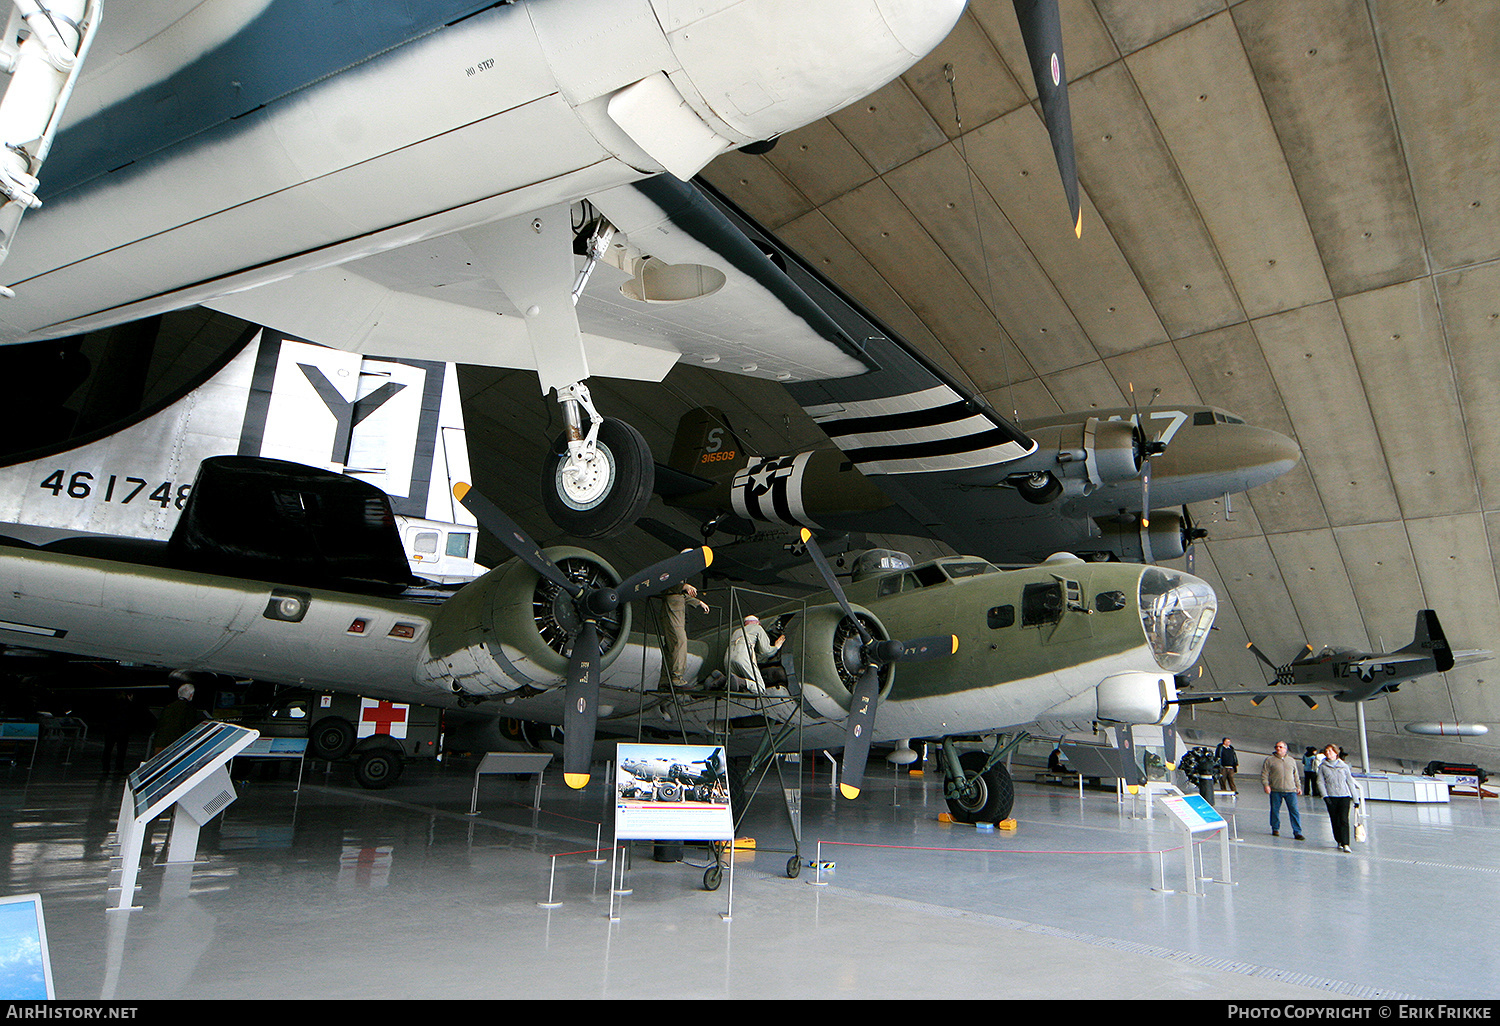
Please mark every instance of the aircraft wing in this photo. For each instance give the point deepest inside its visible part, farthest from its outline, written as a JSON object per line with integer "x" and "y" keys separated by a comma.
{"x": 1257, "y": 695}
{"x": 678, "y": 282}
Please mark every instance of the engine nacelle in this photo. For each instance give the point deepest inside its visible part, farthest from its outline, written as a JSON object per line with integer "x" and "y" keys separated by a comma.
{"x": 512, "y": 629}
{"x": 1088, "y": 454}
{"x": 830, "y": 667}
{"x": 1122, "y": 536}
{"x": 1137, "y": 698}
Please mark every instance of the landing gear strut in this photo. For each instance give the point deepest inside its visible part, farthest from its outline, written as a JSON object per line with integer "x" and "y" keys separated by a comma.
{"x": 595, "y": 482}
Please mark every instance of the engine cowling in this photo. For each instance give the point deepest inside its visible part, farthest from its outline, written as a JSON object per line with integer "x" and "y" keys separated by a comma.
{"x": 1137, "y": 698}
{"x": 512, "y": 628}
{"x": 1169, "y": 534}
{"x": 830, "y": 666}
{"x": 1087, "y": 455}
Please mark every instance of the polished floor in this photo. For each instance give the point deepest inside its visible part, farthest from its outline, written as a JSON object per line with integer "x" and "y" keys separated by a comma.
{"x": 337, "y": 892}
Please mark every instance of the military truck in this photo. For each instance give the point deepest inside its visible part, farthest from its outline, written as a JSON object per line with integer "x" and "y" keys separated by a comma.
{"x": 380, "y": 737}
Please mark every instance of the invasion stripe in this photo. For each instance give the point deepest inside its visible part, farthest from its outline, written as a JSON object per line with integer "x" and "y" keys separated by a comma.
{"x": 938, "y": 395}
{"x": 899, "y": 421}
{"x": 941, "y": 447}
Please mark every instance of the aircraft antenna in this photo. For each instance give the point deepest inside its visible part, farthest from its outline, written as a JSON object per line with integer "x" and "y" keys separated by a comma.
{"x": 951, "y": 76}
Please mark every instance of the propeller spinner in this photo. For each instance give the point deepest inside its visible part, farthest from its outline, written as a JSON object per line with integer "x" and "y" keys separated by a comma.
{"x": 866, "y": 658}
{"x": 581, "y": 717}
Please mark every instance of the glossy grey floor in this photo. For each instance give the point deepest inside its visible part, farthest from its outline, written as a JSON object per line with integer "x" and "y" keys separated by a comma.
{"x": 337, "y": 892}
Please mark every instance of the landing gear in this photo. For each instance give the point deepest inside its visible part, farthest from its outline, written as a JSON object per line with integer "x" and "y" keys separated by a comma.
{"x": 598, "y": 482}
{"x": 1039, "y": 488}
{"x": 983, "y": 795}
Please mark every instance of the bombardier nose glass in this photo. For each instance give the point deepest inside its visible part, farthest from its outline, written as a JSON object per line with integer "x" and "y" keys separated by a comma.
{"x": 1176, "y": 611}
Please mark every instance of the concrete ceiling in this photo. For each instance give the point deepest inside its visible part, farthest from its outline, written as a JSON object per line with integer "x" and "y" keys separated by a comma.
{"x": 1290, "y": 210}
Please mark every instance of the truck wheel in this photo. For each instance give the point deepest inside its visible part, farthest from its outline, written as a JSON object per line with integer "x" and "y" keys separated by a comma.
{"x": 332, "y": 738}
{"x": 378, "y": 769}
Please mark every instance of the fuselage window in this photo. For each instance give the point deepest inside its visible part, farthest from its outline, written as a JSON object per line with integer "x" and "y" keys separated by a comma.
{"x": 1001, "y": 616}
{"x": 425, "y": 543}
{"x": 458, "y": 545}
{"x": 1109, "y": 601}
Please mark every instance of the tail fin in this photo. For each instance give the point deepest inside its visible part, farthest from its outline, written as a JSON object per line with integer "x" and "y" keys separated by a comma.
{"x": 706, "y": 446}
{"x": 1430, "y": 638}
{"x": 396, "y": 424}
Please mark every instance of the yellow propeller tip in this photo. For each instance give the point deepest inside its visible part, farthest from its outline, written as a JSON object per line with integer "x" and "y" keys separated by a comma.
{"x": 1078, "y": 228}
{"x": 708, "y": 556}
{"x": 577, "y": 781}
{"x": 849, "y": 792}
{"x": 806, "y": 534}
{"x": 955, "y": 643}
{"x": 460, "y": 490}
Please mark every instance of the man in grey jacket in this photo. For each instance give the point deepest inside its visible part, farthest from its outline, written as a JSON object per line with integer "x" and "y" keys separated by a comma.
{"x": 1281, "y": 776}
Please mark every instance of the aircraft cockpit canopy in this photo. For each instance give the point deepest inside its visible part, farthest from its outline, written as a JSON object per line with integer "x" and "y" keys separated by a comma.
{"x": 1177, "y": 611}
{"x": 1205, "y": 417}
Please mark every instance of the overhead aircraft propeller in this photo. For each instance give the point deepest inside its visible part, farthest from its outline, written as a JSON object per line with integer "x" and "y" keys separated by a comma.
{"x": 581, "y": 718}
{"x": 873, "y": 654}
{"x": 1307, "y": 700}
{"x": 1041, "y": 29}
{"x": 1146, "y": 448}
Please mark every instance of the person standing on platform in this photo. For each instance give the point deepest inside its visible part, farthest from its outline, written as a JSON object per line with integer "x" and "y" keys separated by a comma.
{"x": 674, "y": 638}
{"x": 1281, "y": 776}
{"x": 1336, "y": 781}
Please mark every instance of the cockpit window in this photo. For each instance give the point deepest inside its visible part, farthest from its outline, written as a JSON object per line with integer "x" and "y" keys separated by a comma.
{"x": 1176, "y": 612}
{"x": 1203, "y": 417}
{"x": 970, "y": 569}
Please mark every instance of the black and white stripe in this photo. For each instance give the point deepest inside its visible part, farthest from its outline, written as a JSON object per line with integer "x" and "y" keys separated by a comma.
{"x": 770, "y": 489}
{"x": 935, "y": 429}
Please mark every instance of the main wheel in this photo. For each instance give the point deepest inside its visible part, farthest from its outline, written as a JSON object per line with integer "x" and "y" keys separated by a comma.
{"x": 332, "y": 738}
{"x": 612, "y": 492}
{"x": 378, "y": 769}
{"x": 1039, "y": 488}
{"x": 989, "y": 796}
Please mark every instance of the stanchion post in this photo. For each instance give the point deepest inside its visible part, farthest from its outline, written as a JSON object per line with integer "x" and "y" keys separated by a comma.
{"x": 551, "y": 883}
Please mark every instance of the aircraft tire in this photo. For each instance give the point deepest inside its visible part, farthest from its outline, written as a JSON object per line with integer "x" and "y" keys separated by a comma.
{"x": 993, "y": 795}
{"x": 712, "y": 877}
{"x": 621, "y": 498}
{"x": 377, "y": 770}
{"x": 1039, "y": 489}
{"x": 332, "y": 738}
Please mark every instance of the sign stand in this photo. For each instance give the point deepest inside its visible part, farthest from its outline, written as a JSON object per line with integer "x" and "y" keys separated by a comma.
{"x": 673, "y": 793}
{"x": 191, "y": 774}
{"x": 1195, "y": 816}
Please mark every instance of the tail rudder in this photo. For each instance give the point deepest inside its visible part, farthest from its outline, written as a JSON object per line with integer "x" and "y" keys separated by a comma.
{"x": 706, "y": 446}
{"x": 1429, "y": 637}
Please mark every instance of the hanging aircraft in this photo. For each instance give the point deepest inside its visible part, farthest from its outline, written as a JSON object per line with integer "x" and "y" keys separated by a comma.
{"x": 1088, "y": 505}
{"x": 444, "y": 181}
{"x": 1349, "y": 675}
{"x": 396, "y": 423}
{"x": 294, "y": 574}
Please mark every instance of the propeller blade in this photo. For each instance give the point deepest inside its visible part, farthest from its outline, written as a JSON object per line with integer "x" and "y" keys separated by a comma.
{"x": 1308, "y": 701}
{"x": 581, "y": 717}
{"x": 512, "y": 537}
{"x": 861, "y": 726}
{"x": 833, "y": 582}
{"x": 1041, "y": 29}
{"x": 935, "y": 647}
{"x": 661, "y": 576}
{"x": 1262, "y": 656}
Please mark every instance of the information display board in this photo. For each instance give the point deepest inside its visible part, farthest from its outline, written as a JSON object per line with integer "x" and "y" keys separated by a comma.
{"x": 672, "y": 792}
{"x": 25, "y": 963}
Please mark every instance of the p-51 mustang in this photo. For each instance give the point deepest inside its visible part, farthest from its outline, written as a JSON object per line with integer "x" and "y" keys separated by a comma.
{"x": 294, "y": 574}
{"x": 444, "y": 181}
{"x": 1349, "y": 675}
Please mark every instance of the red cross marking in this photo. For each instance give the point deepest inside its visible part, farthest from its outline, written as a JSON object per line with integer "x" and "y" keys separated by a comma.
{"x": 383, "y": 715}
